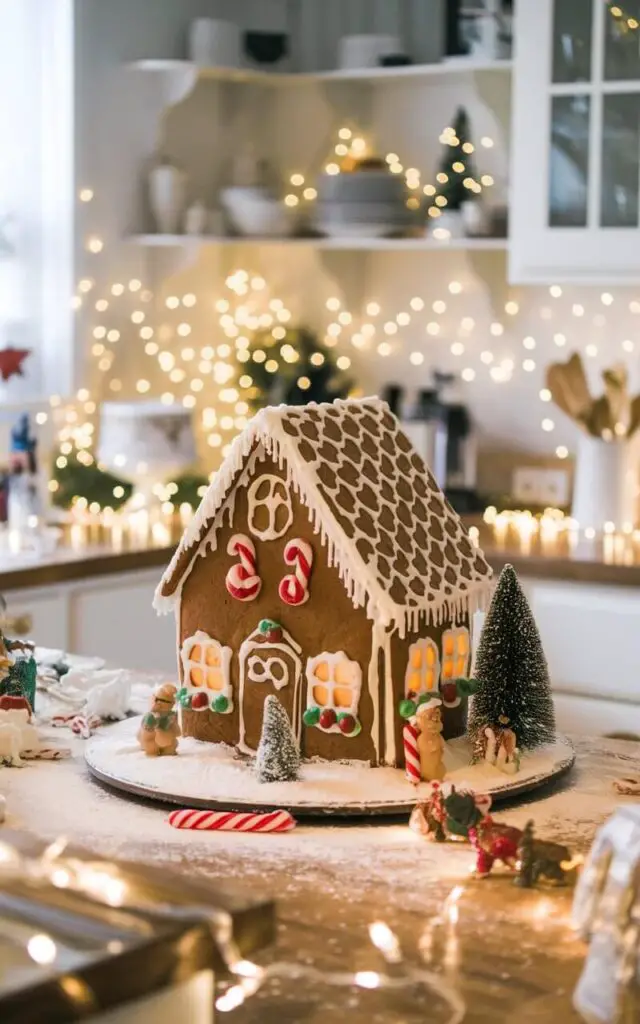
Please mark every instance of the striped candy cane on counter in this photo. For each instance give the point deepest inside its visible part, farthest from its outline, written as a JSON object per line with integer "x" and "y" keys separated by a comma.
{"x": 294, "y": 588}
{"x": 242, "y": 580}
{"x": 232, "y": 821}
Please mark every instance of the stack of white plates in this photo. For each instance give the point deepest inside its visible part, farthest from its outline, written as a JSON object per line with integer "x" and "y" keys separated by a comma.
{"x": 362, "y": 204}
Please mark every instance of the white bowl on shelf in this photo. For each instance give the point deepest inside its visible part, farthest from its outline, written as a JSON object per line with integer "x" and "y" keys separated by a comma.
{"x": 356, "y": 229}
{"x": 253, "y": 211}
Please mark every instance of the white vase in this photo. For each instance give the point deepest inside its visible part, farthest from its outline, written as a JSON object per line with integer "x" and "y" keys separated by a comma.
{"x": 167, "y": 194}
{"x": 606, "y": 482}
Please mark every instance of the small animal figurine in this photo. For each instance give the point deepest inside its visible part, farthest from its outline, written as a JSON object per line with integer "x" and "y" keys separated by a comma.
{"x": 430, "y": 743}
{"x": 542, "y": 861}
{"x": 501, "y": 747}
{"x": 449, "y": 815}
{"x": 159, "y": 731}
{"x": 493, "y": 841}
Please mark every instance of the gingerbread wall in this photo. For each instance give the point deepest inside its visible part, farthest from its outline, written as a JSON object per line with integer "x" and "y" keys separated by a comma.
{"x": 326, "y": 622}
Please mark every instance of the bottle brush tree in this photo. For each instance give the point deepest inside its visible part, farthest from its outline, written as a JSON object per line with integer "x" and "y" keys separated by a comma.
{"x": 514, "y": 690}
{"x": 456, "y": 175}
{"x": 278, "y": 757}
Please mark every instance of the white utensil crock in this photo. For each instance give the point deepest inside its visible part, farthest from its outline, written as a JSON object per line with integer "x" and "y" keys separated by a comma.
{"x": 605, "y": 488}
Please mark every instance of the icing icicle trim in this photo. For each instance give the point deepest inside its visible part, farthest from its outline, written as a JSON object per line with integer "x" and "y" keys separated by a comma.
{"x": 277, "y": 431}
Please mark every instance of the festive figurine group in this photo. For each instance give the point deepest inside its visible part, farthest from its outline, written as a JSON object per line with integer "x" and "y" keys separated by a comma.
{"x": 277, "y": 758}
{"x": 464, "y": 815}
{"x": 512, "y": 710}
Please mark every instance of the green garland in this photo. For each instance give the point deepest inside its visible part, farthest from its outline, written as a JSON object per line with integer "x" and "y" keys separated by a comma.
{"x": 76, "y": 480}
{"x": 293, "y": 370}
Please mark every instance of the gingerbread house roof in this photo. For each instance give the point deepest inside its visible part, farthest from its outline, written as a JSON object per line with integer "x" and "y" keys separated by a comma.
{"x": 400, "y": 549}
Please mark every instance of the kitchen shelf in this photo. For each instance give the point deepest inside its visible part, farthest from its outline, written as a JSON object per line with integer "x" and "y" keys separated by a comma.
{"x": 157, "y": 241}
{"x": 454, "y": 66}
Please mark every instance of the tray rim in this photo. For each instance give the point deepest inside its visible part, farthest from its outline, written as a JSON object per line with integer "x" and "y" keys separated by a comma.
{"x": 351, "y": 810}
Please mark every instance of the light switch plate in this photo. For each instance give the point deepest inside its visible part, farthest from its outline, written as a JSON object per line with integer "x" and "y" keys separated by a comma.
{"x": 532, "y": 485}
{"x": 525, "y": 485}
{"x": 553, "y": 487}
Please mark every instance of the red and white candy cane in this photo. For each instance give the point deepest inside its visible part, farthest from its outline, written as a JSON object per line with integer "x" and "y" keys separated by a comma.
{"x": 294, "y": 588}
{"x": 232, "y": 821}
{"x": 242, "y": 580}
{"x": 411, "y": 755}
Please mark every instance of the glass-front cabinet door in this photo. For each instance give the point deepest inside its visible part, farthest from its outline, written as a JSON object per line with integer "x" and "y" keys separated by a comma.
{"x": 575, "y": 195}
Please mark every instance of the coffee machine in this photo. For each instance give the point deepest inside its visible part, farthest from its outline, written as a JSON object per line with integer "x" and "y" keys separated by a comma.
{"x": 441, "y": 429}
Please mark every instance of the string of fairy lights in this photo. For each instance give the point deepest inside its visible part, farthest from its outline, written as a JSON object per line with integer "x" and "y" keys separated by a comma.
{"x": 435, "y": 966}
{"x": 351, "y": 147}
{"x": 195, "y": 346}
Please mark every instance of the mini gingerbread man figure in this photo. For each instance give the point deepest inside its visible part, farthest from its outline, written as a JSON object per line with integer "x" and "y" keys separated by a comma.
{"x": 430, "y": 742}
{"x": 158, "y": 734}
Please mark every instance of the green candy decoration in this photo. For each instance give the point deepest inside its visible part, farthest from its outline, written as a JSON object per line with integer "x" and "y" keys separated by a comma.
{"x": 221, "y": 704}
{"x": 265, "y": 625}
{"x": 424, "y": 698}
{"x": 467, "y": 687}
{"x": 407, "y": 708}
{"x": 311, "y": 716}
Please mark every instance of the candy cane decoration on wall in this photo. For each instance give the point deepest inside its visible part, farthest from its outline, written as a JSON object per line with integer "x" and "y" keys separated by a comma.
{"x": 242, "y": 580}
{"x": 411, "y": 754}
{"x": 294, "y": 588}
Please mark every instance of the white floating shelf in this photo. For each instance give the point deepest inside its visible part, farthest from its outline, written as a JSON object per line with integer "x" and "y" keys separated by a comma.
{"x": 361, "y": 244}
{"x": 454, "y": 66}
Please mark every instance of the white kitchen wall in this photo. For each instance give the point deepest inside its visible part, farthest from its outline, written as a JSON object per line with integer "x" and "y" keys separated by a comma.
{"x": 119, "y": 126}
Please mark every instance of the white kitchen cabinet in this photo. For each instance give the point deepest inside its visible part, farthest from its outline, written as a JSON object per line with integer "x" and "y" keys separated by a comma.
{"x": 113, "y": 618}
{"x": 108, "y": 616}
{"x": 575, "y": 194}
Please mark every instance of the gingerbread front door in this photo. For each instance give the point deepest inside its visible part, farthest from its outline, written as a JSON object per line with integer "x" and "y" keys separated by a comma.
{"x": 270, "y": 663}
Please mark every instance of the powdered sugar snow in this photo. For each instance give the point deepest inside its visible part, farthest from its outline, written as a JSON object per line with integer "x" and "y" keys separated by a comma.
{"x": 212, "y": 774}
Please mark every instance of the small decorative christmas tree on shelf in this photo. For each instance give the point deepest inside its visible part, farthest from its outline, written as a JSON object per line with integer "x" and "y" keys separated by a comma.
{"x": 456, "y": 177}
{"x": 514, "y": 690}
{"x": 277, "y": 757}
{"x": 295, "y": 369}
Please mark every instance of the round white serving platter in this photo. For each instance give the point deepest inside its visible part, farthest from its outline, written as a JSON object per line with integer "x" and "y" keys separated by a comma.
{"x": 214, "y": 777}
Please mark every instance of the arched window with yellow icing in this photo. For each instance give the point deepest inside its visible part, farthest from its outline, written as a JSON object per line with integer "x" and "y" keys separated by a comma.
{"x": 206, "y": 670}
{"x": 455, "y": 653}
{"x": 423, "y": 668}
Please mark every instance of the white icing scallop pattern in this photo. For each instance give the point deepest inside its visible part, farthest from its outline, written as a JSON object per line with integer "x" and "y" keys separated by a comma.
{"x": 401, "y": 551}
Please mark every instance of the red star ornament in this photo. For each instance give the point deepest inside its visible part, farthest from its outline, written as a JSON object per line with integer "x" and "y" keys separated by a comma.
{"x": 11, "y": 360}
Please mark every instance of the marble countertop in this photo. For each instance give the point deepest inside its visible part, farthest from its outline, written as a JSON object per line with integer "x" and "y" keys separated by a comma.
{"x": 512, "y": 955}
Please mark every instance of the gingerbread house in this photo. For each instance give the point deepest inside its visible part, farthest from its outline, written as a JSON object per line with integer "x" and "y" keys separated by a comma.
{"x": 324, "y": 565}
